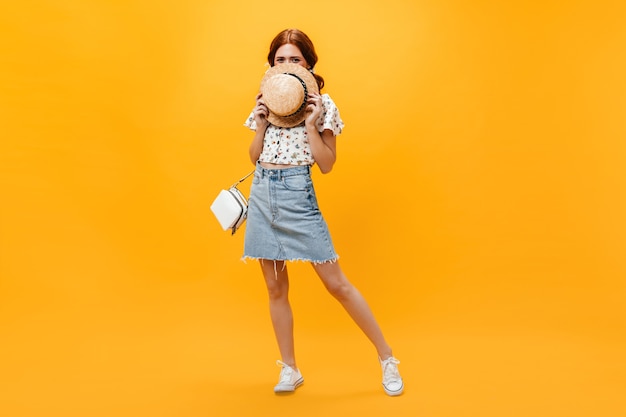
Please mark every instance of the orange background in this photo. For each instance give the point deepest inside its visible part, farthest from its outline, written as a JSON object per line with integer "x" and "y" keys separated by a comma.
{"x": 478, "y": 203}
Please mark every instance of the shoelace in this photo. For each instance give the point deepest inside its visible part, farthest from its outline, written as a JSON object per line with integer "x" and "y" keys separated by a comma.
{"x": 285, "y": 373}
{"x": 390, "y": 369}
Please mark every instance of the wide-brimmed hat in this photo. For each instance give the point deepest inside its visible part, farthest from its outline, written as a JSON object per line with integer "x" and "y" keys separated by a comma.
{"x": 285, "y": 89}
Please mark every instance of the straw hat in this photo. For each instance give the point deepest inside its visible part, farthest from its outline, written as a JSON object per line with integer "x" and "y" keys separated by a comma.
{"x": 285, "y": 89}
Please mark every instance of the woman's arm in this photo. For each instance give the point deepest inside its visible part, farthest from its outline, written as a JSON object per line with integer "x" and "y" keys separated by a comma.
{"x": 260, "y": 117}
{"x": 257, "y": 145}
{"x": 323, "y": 145}
{"x": 323, "y": 148}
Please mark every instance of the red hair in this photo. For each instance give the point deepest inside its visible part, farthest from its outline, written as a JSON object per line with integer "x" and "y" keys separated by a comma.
{"x": 301, "y": 40}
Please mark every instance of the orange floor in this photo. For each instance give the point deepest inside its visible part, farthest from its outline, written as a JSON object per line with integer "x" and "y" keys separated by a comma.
{"x": 195, "y": 349}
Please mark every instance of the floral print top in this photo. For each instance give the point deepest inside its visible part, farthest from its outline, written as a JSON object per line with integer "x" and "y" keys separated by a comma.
{"x": 289, "y": 145}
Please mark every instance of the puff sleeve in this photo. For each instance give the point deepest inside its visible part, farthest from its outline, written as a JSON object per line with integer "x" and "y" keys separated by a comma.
{"x": 330, "y": 118}
{"x": 250, "y": 122}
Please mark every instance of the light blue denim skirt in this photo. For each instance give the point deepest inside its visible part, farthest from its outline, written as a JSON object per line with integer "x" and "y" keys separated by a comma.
{"x": 284, "y": 220}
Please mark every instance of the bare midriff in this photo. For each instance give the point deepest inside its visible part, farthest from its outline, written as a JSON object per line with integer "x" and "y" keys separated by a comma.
{"x": 277, "y": 166}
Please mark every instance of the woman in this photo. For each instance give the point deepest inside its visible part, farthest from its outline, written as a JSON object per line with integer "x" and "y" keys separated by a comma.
{"x": 284, "y": 221}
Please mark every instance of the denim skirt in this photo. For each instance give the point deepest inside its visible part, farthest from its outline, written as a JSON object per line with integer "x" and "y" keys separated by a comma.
{"x": 284, "y": 220}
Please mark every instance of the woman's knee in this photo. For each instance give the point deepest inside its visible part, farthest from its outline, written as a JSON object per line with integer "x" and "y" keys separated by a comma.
{"x": 277, "y": 290}
{"x": 334, "y": 280}
{"x": 339, "y": 287}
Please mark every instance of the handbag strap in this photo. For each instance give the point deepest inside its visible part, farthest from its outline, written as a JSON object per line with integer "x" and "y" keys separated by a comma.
{"x": 243, "y": 178}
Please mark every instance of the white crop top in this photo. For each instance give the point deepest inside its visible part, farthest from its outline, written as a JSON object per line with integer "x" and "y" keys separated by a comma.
{"x": 289, "y": 145}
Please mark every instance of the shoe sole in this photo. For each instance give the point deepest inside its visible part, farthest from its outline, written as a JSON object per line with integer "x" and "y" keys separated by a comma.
{"x": 394, "y": 393}
{"x": 289, "y": 390}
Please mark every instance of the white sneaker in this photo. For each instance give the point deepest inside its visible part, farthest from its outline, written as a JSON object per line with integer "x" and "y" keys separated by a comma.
{"x": 289, "y": 380}
{"x": 392, "y": 381}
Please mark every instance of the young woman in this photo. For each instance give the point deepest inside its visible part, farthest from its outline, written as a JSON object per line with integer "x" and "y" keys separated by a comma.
{"x": 284, "y": 221}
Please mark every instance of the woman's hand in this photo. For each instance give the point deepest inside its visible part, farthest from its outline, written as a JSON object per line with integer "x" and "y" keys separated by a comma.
{"x": 260, "y": 113}
{"x": 314, "y": 109}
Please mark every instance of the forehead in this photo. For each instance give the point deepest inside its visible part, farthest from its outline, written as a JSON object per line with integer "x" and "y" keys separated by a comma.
{"x": 288, "y": 50}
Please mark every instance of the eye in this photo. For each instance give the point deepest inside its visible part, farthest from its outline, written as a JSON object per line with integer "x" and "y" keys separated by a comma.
{"x": 295, "y": 60}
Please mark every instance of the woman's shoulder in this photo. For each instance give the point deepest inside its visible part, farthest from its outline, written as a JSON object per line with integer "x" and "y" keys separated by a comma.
{"x": 328, "y": 101}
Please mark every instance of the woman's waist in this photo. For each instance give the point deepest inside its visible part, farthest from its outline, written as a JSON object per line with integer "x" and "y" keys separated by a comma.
{"x": 268, "y": 165}
{"x": 266, "y": 169}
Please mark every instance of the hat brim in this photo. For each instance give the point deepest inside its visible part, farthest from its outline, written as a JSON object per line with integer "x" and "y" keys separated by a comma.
{"x": 311, "y": 84}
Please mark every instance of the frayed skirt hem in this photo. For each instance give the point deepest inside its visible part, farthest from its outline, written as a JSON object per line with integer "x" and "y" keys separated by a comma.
{"x": 315, "y": 262}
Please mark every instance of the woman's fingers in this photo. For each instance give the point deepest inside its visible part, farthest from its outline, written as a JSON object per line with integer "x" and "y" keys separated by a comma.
{"x": 261, "y": 109}
{"x": 315, "y": 97}
{"x": 314, "y": 103}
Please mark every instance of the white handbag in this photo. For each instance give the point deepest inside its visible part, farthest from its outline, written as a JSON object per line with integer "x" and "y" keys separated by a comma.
{"x": 230, "y": 207}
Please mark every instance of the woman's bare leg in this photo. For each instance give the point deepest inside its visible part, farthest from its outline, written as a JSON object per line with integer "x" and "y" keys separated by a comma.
{"x": 351, "y": 299}
{"x": 277, "y": 282}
